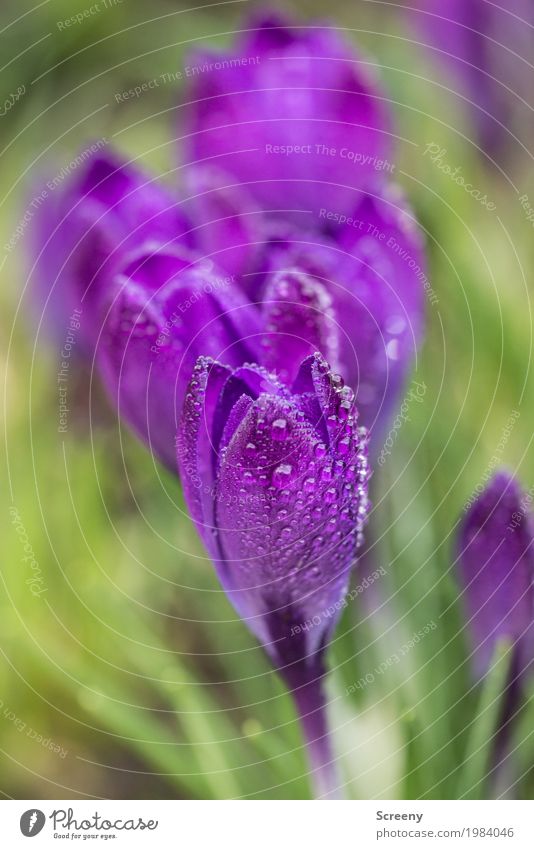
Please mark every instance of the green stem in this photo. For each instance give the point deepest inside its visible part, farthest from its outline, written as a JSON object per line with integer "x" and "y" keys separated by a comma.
{"x": 311, "y": 708}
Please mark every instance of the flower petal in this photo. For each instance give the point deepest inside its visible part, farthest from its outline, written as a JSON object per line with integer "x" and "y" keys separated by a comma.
{"x": 289, "y": 547}
{"x": 372, "y": 265}
{"x": 84, "y": 230}
{"x": 286, "y": 113}
{"x": 165, "y": 314}
{"x": 299, "y": 320}
{"x": 228, "y": 226}
{"x": 196, "y": 452}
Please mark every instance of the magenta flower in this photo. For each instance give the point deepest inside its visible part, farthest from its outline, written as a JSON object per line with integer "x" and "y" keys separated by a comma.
{"x": 489, "y": 50}
{"x": 352, "y": 293}
{"x": 496, "y": 570}
{"x": 84, "y": 231}
{"x": 208, "y": 314}
{"x": 353, "y": 289}
{"x": 169, "y": 308}
{"x": 496, "y": 567}
{"x": 292, "y": 112}
{"x": 345, "y": 275}
{"x": 276, "y": 482}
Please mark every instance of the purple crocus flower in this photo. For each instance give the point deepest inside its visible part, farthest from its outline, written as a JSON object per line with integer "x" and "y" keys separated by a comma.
{"x": 292, "y": 112}
{"x": 344, "y": 275}
{"x": 350, "y": 285}
{"x": 353, "y": 289}
{"x": 276, "y": 482}
{"x": 496, "y": 569}
{"x": 352, "y": 292}
{"x": 489, "y": 49}
{"x": 167, "y": 309}
{"x": 85, "y": 229}
{"x": 286, "y": 243}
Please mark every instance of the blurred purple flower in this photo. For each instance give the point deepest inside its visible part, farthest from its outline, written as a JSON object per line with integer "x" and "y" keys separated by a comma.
{"x": 276, "y": 482}
{"x": 346, "y": 276}
{"x": 353, "y": 289}
{"x": 490, "y": 49}
{"x": 169, "y": 308}
{"x": 355, "y": 294}
{"x": 350, "y": 285}
{"x": 292, "y": 112}
{"x": 86, "y": 228}
{"x": 496, "y": 569}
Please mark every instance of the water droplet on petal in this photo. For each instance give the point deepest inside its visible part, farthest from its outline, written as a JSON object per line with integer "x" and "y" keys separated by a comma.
{"x": 330, "y": 495}
{"x": 344, "y": 410}
{"x": 344, "y": 446}
{"x": 282, "y": 475}
{"x": 279, "y": 430}
{"x": 309, "y": 485}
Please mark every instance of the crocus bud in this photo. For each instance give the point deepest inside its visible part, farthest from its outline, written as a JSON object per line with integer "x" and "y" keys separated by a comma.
{"x": 276, "y": 482}
{"x": 292, "y": 112}
{"x": 168, "y": 308}
{"x": 85, "y": 229}
{"x": 355, "y": 290}
{"x": 496, "y": 570}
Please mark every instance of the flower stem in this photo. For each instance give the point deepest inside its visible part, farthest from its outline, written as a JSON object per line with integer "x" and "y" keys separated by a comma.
{"x": 311, "y": 708}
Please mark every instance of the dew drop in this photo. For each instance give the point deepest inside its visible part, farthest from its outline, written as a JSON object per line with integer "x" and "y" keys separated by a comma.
{"x": 330, "y": 495}
{"x": 344, "y": 446}
{"x": 344, "y": 410}
{"x": 320, "y": 450}
{"x": 279, "y": 430}
{"x": 282, "y": 475}
{"x": 309, "y": 485}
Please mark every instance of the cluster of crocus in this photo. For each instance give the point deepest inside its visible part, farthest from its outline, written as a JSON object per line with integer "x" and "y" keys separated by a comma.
{"x": 207, "y": 311}
{"x": 489, "y": 49}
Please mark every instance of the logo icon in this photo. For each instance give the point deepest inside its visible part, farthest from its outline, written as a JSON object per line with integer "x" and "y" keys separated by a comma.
{"x": 32, "y": 822}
